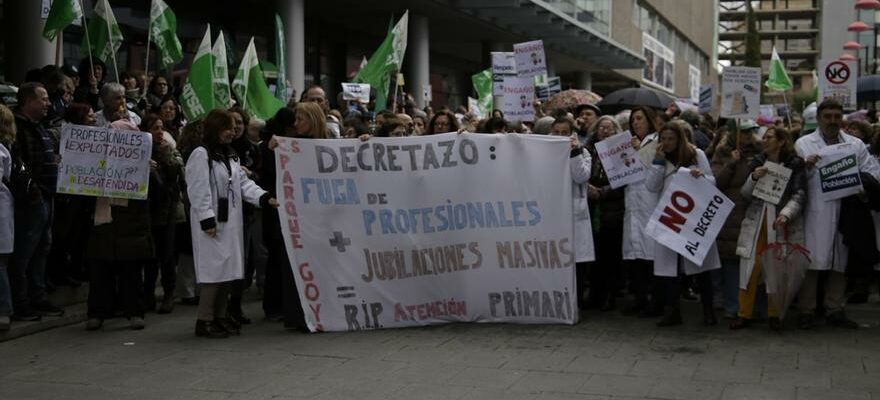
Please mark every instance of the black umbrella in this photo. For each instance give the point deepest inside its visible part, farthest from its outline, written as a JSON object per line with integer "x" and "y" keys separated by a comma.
{"x": 868, "y": 88}
{"x": 630, "y": 97}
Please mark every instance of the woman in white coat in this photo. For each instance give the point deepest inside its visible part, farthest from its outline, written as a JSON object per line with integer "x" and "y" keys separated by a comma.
{"x": 580, "y": 163}
{"x": 217, "y": 186}
{"x": 639, "y": 203}
{"x": 674, "y": 152}
{"x": 7, "y": 221}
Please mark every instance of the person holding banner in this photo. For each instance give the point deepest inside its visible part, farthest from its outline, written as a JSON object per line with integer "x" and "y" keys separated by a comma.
{"x": 217, "y": 188}
{"x": 639, "y": 203}
{"x": 674, "y": 152}
{"x": 607, "y": 209}
{"x": 580, "y": 163}
{"x": 778, "y": 148}
{"x": 821, "y": 217}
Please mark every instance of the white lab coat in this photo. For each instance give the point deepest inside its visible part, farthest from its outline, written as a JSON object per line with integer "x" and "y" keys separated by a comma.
{"x": 666, "y": 261}
{"x": 825, "y": 244}
{"x": 640, "y": 204}
{"x": 7, "y": 219}
{"x": 219, "y": 258}
{"x": 583, "y": 228}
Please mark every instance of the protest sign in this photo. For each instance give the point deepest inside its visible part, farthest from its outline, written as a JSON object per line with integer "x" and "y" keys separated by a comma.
{"x": 741, "y": 92}
{"x": 530, "y": 60}
{"x": 620, "y": 160}
{"x": 518, "y": 98}
{"x": 694, "y": 75}
{"x": 689, "y": 216}
{"x": 838, "y": 172}
{"x": 659, "y": 63}
{"x": 397, "y": 232}
{"x": 104, "y": 162}
{"x": 772, "y": 185}
{"x": 474, "y": 107}
{"x": 707, "y": 98}
{"x": 359, "y": 92}
{"x": 503, "y": 65}
{"x": 548, "y": 89}
{"x": 837, "y": 80}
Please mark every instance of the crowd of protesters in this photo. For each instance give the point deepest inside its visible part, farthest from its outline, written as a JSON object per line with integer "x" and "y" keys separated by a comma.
{"x": 208, "y": 230}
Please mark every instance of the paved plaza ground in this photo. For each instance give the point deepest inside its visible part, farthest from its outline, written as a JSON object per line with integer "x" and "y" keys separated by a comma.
{"x": 605, "y": 356}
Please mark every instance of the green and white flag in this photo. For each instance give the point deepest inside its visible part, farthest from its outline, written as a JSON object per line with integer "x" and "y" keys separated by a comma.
{"x": 385, "y": 61}
{"x": 197, "y": 97}
{"x": 281, "y": 60}
{"x": 222, "y": 95}
{"x": 483, "y": 87}
{"x": 103, "y": 33}
{"x": 250, "y": 87}
{"x": 163, "y": 32}
{"x": 778, "y": 79}
{"x": 62, "y": 13}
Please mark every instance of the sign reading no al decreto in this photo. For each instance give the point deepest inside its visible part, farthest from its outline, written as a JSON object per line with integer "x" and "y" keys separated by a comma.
{"x": 104, "y": 162}
{"x": 397, "y": 232}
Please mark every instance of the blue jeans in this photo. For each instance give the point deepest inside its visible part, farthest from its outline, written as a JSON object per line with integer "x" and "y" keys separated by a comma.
{"x": 726, "y": 282}
{"x": 5, "y": 291}
{"x": 33, "y": 239}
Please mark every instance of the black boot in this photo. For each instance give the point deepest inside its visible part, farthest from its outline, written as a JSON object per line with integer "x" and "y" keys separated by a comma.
{"x": 228, "y": 325}
{"x": 709, "y": 318}
{"x": 671, "y": 317}
{"x": 235, "y": 312}
{"x": 210, "y": 329}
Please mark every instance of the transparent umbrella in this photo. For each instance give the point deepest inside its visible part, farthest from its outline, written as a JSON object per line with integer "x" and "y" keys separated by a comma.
{"x": 785, "y": 265}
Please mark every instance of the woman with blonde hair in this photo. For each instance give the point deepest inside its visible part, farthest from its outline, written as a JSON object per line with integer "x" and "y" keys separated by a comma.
{"x": 310, "y": 121}
{"x": 7, "y": 221}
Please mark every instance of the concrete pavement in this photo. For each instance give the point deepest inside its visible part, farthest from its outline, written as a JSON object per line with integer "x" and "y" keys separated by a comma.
{"x": 606, "y": 356}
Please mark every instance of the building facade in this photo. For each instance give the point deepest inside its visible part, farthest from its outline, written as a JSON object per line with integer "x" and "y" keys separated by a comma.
{"x": 600, "y": 45}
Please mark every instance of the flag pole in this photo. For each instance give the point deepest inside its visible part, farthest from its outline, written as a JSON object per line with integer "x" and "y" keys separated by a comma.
{"x": 88, "y": 41}
{"x": 112, "y": 50}
{"x": 787, "y": 109}
{"x": 59, "y": 48}
{"x": 149, "y": 39}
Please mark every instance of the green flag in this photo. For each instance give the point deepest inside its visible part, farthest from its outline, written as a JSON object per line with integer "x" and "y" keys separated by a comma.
{"x": 778, "y": 79}
{"x": 163, "y": 32}
{"x": 222, "y": 95}
{"x": 281, "y": 61}
{"x": 62, "y": 13}
{"x": 385, "y": 61}
{"x": 483, "y": 87}
{"x": 197, "y": 97}
{"x": 103, "y": 33}
{"x": 251, "y": 89}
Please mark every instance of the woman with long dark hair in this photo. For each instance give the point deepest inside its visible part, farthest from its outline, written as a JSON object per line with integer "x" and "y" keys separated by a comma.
{"x": 217, "y": 188}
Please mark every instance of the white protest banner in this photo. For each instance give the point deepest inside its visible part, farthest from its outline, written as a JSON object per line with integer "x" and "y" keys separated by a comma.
{"x": 359, "y": 92}
{"x": 689, "y": 216}
{"x": 517, "y": 99}
{"x": 530, "y": 60}
{"x": 104, "y": 162}
{"x": 397, "y": 232}
{"x": 771, "y": 186}
{"x": 741, "y": 92}
{"x": 767, "y": 111}
{"x": 659, "y": 63}
{"x": 838, "y": 172}
{"x": 503, "y": 65}
{"x": 837, "y": 79}
{"x": 694, "y": 75}
{"x": 620, "y": 160}
{"x": 707, "y": 98}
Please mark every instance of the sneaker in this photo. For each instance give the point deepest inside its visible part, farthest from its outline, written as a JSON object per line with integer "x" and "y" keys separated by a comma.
{"x": 45, "y": 308}
{"x": 94, "y": 324}
{"x": 26, "y": 314}
{"x": 840, "y": 320}
{"x": 5, "y": 323}
{"x": 136, "y": 323}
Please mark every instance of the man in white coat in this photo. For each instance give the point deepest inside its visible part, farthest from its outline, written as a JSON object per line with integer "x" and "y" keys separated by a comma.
{"x": 823, "y": 240}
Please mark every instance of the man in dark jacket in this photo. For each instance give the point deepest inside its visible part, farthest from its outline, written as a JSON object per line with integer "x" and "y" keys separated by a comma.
{"x": 33, "y": 211}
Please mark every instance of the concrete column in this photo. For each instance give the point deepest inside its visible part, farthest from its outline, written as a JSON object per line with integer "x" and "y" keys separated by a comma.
{"x": 26, "y": 48}
{"x": 584, "y": 80}
{"x": 293, "y": 15}
{"x": 418, "y": 54}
